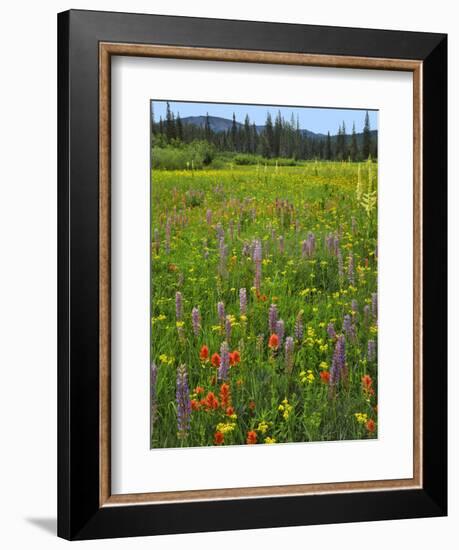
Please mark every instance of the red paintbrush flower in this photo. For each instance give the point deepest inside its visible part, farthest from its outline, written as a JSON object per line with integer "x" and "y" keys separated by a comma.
{"x": 215, "y": 360}
{"x": 211, "y": 402}
{"x": 195, "y": 405}
{"x": 235, "y": 358}
{"x": 370, "y": 425}
{"x": 219, "y": 438}
{"x": 204, "y": 353}
{"x": 251, "y": 437}
{"x": 273, "y": 342}
{"x": 325, "y": 376}
{"x": 225, "y": 396}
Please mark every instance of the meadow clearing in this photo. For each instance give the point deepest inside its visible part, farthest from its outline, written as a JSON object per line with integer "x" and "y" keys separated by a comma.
{"x": 264, "y": 304}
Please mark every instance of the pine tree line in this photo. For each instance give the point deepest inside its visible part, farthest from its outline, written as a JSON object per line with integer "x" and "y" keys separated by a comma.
{"x": 280, "y": 138}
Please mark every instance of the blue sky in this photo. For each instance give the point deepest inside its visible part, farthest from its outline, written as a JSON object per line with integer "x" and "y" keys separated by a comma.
{"x": 316, "y": 119}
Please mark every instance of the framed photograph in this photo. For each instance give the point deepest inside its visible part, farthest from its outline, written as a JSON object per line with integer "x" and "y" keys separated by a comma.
{"x": 252, "y": 274}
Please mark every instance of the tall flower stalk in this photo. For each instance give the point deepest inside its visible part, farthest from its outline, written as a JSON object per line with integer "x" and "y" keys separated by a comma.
{"x": 289, "y": 345}
{"x": 243, "y": 301}
{"x": 272, "y": 319}
{"x": 257, "y": 258}
{"x": 338, "y": 367}
{"x": 223, "y": 369}
{"x": 182, "y": 397}
{"x": 196, "y": 320}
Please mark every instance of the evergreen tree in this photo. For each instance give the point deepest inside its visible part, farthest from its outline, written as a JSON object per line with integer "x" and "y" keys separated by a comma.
{"x": 269, "y": 137}
{"x": 366, "y": 146}
{"x": 234, "y": 133}
{"x": 170, "y": 124}
{"x": 328, "y": 148}
{"x": 354, "y": 148}
{"x": 277, "y": 134}
{"x": 254, "y": 139}
{"x": 247, "y": 136}
{"x": 179, "y": 127}
{"x": 207, "y": 128}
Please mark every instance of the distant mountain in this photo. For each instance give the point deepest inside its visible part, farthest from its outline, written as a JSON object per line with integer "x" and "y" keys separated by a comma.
{"x": 220, "y": 124}
{"x": 217, "y": 124}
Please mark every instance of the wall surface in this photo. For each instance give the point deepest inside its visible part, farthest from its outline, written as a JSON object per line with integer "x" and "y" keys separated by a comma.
{"x": 28, "y": 270}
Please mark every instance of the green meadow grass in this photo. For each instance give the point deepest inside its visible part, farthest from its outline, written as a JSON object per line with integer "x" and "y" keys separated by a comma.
{"x": 273, "y": 402}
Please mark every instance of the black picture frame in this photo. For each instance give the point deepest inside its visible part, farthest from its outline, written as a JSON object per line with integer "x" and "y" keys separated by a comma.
{"x": 80, "y": 515}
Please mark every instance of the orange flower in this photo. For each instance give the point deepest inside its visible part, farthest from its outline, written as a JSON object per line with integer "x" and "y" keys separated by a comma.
{"x": 235, "y": 358}
{"x": 219, "y": 438}
{"x": 204, "y": 353}
{"x": 225, "y": 395}
{"x": 210, "y": 402}
{"x": 195, "y": 405}
{"x": 252, "y": 405}
{"x": 229, "y": 411}
{"x": 370, "y": 425}
{"x": 198, "y": 390}
{"x": 239, "y": 382}
{"x": 273, "y": 341}
{"x": 325, "y": 376}
{"x": 215, "y": 360}
{"x": 366, "y": 382}
{"x": 172, "y": 267}
{"x": 251, "y": 438}
{"x": 366, "y": 385}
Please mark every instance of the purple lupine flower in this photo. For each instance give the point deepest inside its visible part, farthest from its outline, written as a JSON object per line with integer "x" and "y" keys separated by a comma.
{"x": 299, "y": 328}
{"x": 336, "y": 245}
{"x": 340, "y": 265}
{"x": 330, "y": 241}
{"x": 331, "y": 331}
{"x": 289, "y": 353}
{"x": 221, "y": 311}
{"x": 223, "y": 369}
{"x": 156, "y": 241}
{"x": 182, "y": 396}
{"x": 371, "y": 350}
{"x": 209, "y": 216}
{"x": 374, "y": 305}
{"x": 350, "y": 270}
{"x": 349, "y": 327}
{"x": 178, "y": 306}
{"x": 257, "y": 257}
{"x": 243, "y": 301}
{"x": 220, "y": 231}
{"x": 228, "y": 328}
{"x": 223, "y": 251}
{"x": 281, "y": 244}
{"x": 338, "y": 367}
{"x": 366, "y": 313}
{"x": 154, "y": 404}
{"x": 353, "y": 224}
{"x": 280, "y": 331}
{"x": 273, "y": 314}
{"x": 196, "y": 320}
{"x": 246, "y": 249}
{"x": 355, "y": 307}
{"x": 168, "y": 236}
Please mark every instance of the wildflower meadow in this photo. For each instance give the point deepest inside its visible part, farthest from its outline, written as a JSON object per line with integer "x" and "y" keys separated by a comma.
{"x": 264, "y": 303}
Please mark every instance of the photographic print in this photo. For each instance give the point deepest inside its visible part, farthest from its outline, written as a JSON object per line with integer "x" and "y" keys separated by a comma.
{"x": 264, "y": 268}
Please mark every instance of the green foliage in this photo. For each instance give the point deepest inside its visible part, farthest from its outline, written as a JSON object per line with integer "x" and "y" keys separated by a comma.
{"x": 180, "y": 156}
